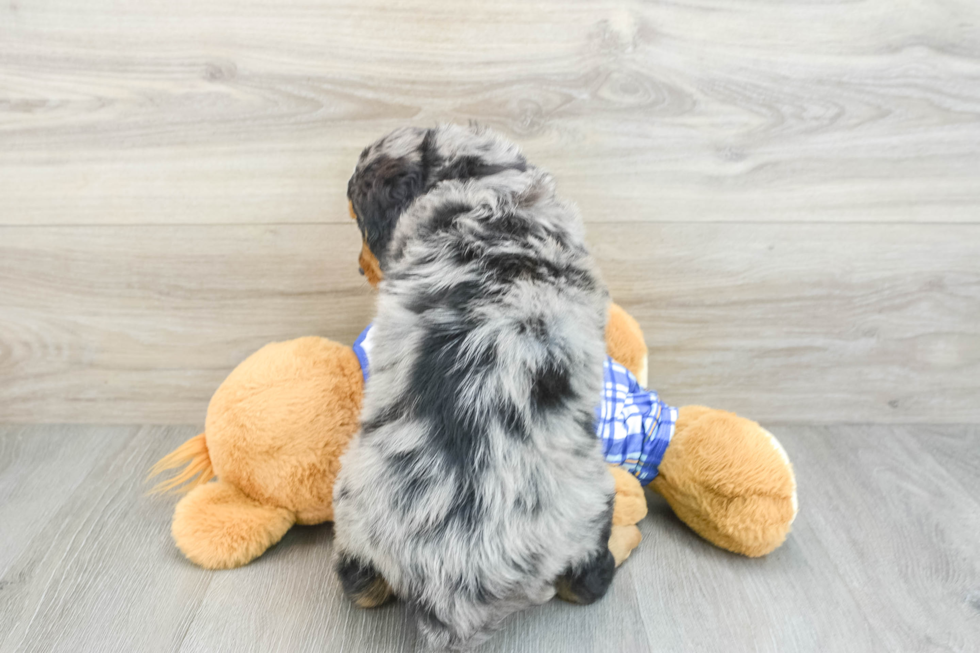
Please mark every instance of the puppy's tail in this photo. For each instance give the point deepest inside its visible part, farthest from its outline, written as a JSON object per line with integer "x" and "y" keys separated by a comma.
{"x": 465, "y": 624}
{"x": 198, "y": 470}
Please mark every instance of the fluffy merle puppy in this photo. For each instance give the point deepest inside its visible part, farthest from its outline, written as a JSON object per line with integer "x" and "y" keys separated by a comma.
{"x": 476, "y": 486}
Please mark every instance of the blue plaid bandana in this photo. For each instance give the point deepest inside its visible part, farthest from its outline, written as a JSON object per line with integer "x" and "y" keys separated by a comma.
{"x": 634, "y": 426}
{"x": 632, "y": 423}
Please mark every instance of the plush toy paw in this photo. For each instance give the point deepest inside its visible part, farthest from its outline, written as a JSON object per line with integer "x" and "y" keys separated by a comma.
{"x": 629, "y": 508}
{"x": 622, "y": 541}
{"x": 217, "y": 527}
{"x": 631, "y": 504}
{"x": 728, "y": 479}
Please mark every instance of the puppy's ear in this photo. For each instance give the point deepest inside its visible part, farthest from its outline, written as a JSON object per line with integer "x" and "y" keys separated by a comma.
{"x": 385, "y": 188}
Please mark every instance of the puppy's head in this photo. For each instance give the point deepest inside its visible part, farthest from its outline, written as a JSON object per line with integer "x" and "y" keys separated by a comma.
{"x": 396, "y": 169}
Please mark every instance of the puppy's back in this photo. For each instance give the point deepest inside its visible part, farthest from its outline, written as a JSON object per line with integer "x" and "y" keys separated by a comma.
{"x": 477, "y": 479}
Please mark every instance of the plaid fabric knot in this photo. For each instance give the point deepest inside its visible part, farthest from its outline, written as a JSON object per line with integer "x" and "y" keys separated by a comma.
{"x": 632, "y": 423}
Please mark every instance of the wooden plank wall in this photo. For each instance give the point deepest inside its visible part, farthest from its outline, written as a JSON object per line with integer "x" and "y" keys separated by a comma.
{"x": 786, "y": 195}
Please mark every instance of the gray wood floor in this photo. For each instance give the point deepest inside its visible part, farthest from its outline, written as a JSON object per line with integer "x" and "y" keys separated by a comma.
{"x": 885, "y": 556}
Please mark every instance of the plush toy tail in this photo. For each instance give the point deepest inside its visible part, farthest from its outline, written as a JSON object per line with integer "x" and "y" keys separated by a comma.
{"x": 194, "y": 454}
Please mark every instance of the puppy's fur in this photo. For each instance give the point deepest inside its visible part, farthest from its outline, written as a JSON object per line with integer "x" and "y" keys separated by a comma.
{"x": 476, "y": 486}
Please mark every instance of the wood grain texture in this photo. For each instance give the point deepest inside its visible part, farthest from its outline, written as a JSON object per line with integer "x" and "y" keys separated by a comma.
{"x": 785, "y": 194}
{"x": 793, "y": 323}
{"x": 806, "y": 323}
{"x": 218, "y": 111}
{"x": 30, "y": 495}
{"x": 901, "y": 529}
{"x": 882, "y": 557}
{"x": 102, "y": 574}
{"x": 956, "y": 451}
{"x": 118, "y": 324}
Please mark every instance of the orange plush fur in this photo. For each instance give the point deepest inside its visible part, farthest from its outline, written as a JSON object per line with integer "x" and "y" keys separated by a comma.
{"x": 728, "y": 479}
{"x": 274, "y": 434}
{"x": 277, "y": 426}
{"x": 625, "y": 343}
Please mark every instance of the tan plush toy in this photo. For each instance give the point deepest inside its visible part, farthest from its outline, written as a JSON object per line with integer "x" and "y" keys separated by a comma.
{"x": 277, "y": 426}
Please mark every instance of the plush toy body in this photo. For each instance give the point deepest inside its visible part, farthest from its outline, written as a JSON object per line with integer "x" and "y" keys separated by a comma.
{"x": 277, "y": 426}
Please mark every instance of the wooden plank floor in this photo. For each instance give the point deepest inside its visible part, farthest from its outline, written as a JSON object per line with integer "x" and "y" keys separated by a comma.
{"x": 785, "y": 194}
{"x": 884, "y": 556}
